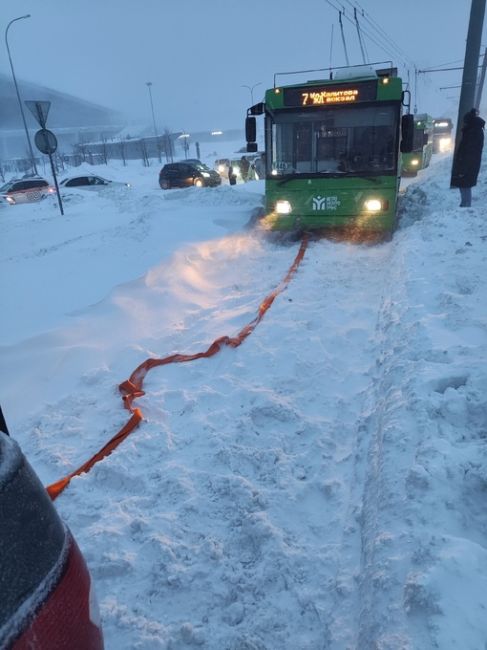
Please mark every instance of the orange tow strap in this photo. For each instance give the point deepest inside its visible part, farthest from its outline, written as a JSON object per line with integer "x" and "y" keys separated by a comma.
{"x": 131, "y": 388}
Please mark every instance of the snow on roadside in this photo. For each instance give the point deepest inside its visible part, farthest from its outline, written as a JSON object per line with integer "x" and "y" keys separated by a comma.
{"x": 424, "y": 575}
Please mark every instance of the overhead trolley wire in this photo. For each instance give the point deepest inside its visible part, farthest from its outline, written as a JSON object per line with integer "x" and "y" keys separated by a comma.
{"x": 382, "y": 35}
{"x": 373, "y": 38}
{"x": 441, "y": 65}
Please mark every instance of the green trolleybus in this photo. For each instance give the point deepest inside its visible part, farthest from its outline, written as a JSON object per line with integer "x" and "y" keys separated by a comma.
{"x": 333, "y": 150}
{"x": 420, "y": 157}
{"x": 442, "y": 135}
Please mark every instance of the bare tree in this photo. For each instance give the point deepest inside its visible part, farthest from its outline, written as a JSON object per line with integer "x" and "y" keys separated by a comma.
{"x": 122, "y": 152}
{"x": 104, "y": 150}
{"x": 145, "y": 156}
{"x": 168, "y": 145}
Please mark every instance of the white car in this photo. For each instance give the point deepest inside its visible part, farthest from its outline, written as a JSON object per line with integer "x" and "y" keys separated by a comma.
{"x": 89, "y": 183}
{"x": 25, "y": 190}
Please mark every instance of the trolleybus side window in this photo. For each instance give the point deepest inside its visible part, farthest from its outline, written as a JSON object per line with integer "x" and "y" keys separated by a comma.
{"x": 418, "y": 139}
{"x": 283, "y": 147}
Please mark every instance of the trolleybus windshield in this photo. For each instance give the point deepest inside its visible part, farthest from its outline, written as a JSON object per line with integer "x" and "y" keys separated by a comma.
{"x": 335, "y": 141}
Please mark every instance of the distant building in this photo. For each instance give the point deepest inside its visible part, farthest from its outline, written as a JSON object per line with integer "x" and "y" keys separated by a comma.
{"x": 70, "y": 118}
{"x": 87, "y": 132}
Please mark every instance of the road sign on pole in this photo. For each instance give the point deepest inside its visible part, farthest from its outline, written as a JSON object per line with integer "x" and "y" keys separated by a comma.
{"x": 39, "y": 110}
{"x": 45, "y": 141}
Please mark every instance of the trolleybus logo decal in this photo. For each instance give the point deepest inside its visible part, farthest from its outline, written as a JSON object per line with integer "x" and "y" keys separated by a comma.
{"x": 325, "y": 202}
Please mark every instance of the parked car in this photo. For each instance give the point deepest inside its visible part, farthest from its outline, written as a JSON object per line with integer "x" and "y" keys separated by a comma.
{"x": 222, "y": 165}
{"x": 47, "y": 601}
{"x": 90, "y": 183}
{"x": 25, "y": 190}
{"x": 188, "y": 174}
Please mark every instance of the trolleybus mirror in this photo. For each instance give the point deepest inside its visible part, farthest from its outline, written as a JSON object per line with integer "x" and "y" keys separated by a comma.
{"x": 407, "y": 133}
{"x": 425, "y": 138}
{"x": 250, "y": 129}
{"x": 256, "y": 109}
{"x": 251, "y": 147}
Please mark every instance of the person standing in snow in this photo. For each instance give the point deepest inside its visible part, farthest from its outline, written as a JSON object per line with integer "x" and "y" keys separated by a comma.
{"x": 466, "y": 162}
{"x": 244, "y": 168}
{"x": 232, "y": 178}
{"x": 259, "y": 166}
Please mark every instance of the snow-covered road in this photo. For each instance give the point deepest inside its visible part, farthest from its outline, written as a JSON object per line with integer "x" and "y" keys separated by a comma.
{"x": 320, "y": 486}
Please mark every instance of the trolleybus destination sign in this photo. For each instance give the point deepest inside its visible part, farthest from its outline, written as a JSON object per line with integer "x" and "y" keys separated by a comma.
{"x": 329, "y": 94}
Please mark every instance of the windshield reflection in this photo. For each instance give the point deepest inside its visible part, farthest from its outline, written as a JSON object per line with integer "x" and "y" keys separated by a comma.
{"x": 340, "y": 142}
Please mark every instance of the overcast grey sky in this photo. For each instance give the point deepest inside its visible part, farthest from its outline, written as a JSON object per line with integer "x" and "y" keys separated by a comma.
{"x": 199, "y": 53}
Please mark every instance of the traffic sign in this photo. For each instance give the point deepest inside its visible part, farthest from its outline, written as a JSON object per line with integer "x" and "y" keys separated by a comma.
{"x": 45, "y": 141}
{"x": 39, "y": 110}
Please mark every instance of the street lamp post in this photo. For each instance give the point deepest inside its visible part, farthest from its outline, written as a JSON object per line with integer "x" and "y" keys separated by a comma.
{"x": 149, "y": 84}
{"x": 251, "y": 89}
{"x": 32, "y": 158}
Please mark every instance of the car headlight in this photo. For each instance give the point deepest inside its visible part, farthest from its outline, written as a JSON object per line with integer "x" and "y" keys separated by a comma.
{"x": 375, "y": 205}
{"x": 10, "y": 200}
{"x": 445, "y": 144}
{"x": 283, "y": 207}
{"x": 205, "y": 174}
{"x": 415, "y": 162}
{"x": 221, "y": 168}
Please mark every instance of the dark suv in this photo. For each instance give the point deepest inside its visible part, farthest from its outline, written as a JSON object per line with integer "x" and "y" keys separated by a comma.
{"x": 25, "y": 190}
{"x": 188, "y": 174}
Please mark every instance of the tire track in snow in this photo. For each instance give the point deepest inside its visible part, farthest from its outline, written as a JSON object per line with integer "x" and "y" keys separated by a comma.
{"x": 254, "y": 452}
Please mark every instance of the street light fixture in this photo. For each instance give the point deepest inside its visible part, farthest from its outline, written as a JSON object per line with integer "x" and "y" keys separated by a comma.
{"x": 32, "y": 158}
{"x": 251, "y": 89}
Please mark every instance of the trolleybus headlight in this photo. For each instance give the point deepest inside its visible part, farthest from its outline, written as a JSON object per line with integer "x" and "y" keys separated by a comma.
{"x": 373, "y": 205}
{"x": 415, "y": 162}
{"x": 274, "y": 172}
{"x": 221, "y": 169}
{"x": 283, "y": 207}
{"x": 376, "y": 205}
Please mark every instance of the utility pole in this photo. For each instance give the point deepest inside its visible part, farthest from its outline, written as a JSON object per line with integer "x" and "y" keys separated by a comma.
{"x": 415, "y": 110}
{"x": 149, "y": 86}
{"x": 470, "y": 66}
{"x": 32, "y": 157}
{"x": 480, "y": 85}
